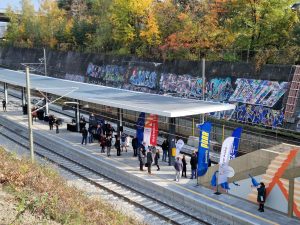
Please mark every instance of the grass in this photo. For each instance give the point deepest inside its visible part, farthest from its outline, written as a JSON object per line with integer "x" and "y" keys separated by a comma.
{"x": 43, "y": 192}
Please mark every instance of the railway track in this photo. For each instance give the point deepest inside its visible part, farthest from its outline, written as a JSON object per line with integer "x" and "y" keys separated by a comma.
{"x": 165, "y": 213}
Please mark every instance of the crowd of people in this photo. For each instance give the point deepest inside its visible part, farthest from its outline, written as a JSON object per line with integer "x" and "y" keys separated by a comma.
{"x": 148, "y": 156}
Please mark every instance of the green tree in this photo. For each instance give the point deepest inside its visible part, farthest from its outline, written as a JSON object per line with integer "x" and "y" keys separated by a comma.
{"x": 260, "y": 24}
{"x": 128, "y": 17}
{"x": 53, "y": 24}
{"x": 101, "y": 40}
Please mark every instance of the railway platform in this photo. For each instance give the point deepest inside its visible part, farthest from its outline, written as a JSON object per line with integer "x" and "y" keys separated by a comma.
{"x": 222, "y": 207}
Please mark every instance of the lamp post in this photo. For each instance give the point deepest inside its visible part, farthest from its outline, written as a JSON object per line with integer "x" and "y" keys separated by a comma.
{"x": 30, "y": 135}
{"x": 45, "y": 70}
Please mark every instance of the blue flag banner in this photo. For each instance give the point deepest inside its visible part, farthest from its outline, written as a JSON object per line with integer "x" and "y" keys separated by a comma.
{"x": 225, "y": 185}
{"x": 203, "y": 148}
{"x": 140, "y": 128}
{"x": 213, "y": 181}
{"x": 254, "y": 182}
{"x": 237, "y": 136}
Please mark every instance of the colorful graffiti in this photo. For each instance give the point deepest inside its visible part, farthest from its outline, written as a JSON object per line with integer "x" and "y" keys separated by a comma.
{"x": 258, "y": 114}
{"x": 74, "y": 77}
{"x": 255, "y": 99}
{"x": 180, "y": 85}
{"x": 258, "y": 92}
{"x": 111, "y": 73}
{"x": 132, "y": 87}
{"x": 143, "y": 78}
{"x": 217, "y": 89}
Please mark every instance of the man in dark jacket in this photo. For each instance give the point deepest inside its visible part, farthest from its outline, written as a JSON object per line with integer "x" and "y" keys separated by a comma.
{"x": 134, "y": 144}
{"x": 141, "y": 155}
{"x": 4, "y": 105}
{"x": 261, "y": 196}
{"x": 149, "y": 160}
{"x": 194, "y": 162}
{"x": 165, "y": 148}
{"x": 108, "y": 145}
{"x": 51, "y": 122}
{"x": 84, "y": 135}
{"x": 118, "y": 145}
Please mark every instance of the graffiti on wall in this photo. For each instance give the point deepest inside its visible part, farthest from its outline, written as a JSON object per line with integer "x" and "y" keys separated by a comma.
{"x": 258, "y": 114}
{"x": 258, "y": 92}
{"x": 74, "y": 77}
{"x": 132, "y": 87}
{"x": 110, "y": 73}
{"x": 143, "y": 78}
{"x": 217, "y": 89}
{"x": 255, "y": 99}
{"x": 180, "y": 85}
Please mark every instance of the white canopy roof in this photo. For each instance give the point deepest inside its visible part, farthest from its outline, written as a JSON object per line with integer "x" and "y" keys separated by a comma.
{"x": 137, "y": 101}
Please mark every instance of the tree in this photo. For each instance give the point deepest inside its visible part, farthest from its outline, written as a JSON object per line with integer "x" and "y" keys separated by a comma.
{"x": 128, "y": 17}
{"x": 101, "y": 40}
{"x": 188, "y": 31}
{"x": 53, "y": 24}
{"x": 260, "y": 24}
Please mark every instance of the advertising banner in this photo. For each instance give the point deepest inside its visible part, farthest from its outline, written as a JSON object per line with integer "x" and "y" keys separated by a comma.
{"x": 140, "y": 128}
{"x": 203, "y": 148}
{"x": 154, "y": 130}
{"x": 224, "y": 159}
{"x": 237, "y": 136}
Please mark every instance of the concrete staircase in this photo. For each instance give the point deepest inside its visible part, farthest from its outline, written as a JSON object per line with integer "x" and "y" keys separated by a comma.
{"x": 273, "y": 171}
{"x": 273, "y": 167}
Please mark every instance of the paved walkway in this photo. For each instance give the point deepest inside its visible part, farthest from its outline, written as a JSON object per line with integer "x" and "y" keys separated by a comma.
{"x": 165, "y": 177}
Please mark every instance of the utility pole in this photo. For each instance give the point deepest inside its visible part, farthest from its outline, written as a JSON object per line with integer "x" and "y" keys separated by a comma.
{"x": 45, "y": 68}
{"x": 203, "y": 85}
{"x": 29, "y": 115}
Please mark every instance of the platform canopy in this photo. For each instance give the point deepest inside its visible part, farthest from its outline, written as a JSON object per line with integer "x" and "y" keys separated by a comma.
{"x": 167, "y": 106}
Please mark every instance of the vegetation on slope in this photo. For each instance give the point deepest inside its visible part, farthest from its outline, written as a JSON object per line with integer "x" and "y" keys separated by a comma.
{"x": 40, "y": 190}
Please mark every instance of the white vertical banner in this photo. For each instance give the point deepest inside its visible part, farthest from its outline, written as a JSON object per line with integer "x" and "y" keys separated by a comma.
{"x": 147, "y": 135}
{"x": 224, "y": 159}
{"x": 179, "y": 144}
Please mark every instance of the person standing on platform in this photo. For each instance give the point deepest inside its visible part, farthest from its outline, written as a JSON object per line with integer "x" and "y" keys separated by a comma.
{"x": 123, "y": 141}
{"x": 156, "y": 157}
{"x": 183, "y": 167}
{"x": 51, "y": 122}
{"x": 118, "y": 145}
{"x": 4, "y": 105}
{"x": 134, "y": 144}
{"x": 178, "y": 169}
{"x": 108, "y": 145}
{"x": 57, "y": 125}
{"x": 90, "y": 131}
{"x": 165, "y": 148}
{"x": 141, "y": 156}
{"x": 261, "y": 196}
{"x": 84, "y": 135}
{"x": 149, "y": 160}
{"x": 99, "y": 131}
{"x": 102, "y": 143}
{"x": 194, "y": 162}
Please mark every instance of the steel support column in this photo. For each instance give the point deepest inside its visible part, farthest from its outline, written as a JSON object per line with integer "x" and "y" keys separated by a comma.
{"x": 120, "y": 122}
{"x": 291, "y": 197}
{"x": 5, "y": 92}
{"x": 77, "y": 116}
{"x": 23, "y": 95}
{"x": 171, "y": 140}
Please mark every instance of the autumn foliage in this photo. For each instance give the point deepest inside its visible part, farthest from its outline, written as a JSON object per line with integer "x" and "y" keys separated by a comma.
{"x": 166, "y": 29}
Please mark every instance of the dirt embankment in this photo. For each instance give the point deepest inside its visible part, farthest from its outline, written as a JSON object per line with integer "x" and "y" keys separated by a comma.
{"x": 34, "y": 194}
